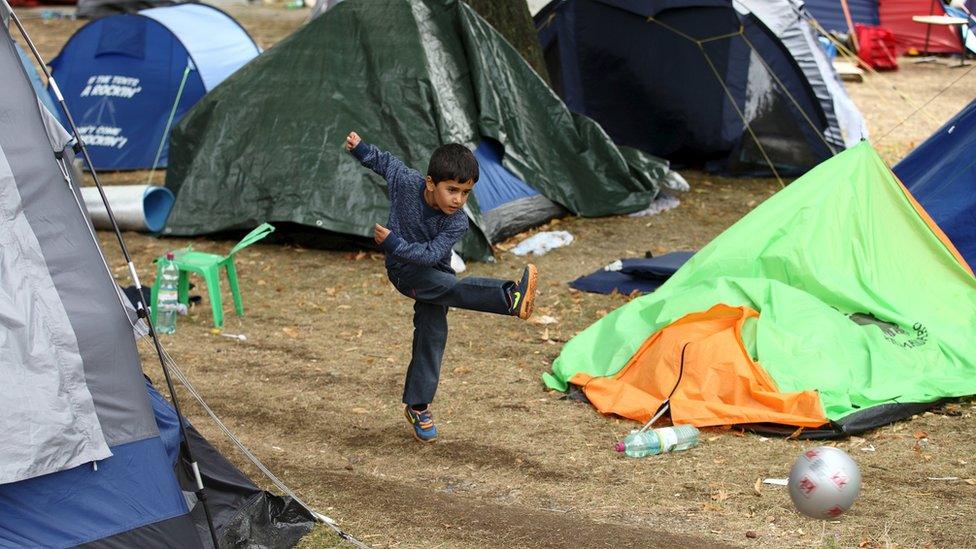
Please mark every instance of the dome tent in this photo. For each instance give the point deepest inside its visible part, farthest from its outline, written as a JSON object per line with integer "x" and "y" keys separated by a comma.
{"x": 680, "y": 77}
{"x": 121, "y": 75}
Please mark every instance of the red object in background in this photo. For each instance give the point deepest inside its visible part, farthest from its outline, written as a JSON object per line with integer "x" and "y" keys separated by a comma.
{"x": 897, "y": 16}
{"x": 23, "y": 3}
{"x": 876, "y": 47}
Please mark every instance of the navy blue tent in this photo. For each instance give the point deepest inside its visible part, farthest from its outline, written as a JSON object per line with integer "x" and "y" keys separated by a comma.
{"x": 677, "y": 79}
{"x": 830, "y": 14}
{"x": 122, "y": 76}
{"x": 941, "y": 174}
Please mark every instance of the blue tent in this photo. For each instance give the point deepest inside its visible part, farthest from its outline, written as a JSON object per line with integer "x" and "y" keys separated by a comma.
{"x": 941, "y": 174}
{"x": 677, "y": 78}
{"x": 830, "y": 14}
{"x": 36, "y": 81}
{"x": 122, "y": 76}
{"x": 508, "y": 205}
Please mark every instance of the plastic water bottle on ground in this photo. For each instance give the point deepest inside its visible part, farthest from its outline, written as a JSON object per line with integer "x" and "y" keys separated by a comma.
{"x": 658, "y": 441}
{"x": 166, "y": 299}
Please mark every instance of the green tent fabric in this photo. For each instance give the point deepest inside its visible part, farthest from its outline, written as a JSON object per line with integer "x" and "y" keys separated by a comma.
{"x": 408, "y": 75}
{"x": 858, "y": 297}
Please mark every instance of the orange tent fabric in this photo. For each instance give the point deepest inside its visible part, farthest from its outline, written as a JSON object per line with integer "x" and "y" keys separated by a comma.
{"x": 720, "y": 383}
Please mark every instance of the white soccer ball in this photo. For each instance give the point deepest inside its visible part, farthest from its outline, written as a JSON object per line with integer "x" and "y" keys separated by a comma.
{"x": 824, "y": 482}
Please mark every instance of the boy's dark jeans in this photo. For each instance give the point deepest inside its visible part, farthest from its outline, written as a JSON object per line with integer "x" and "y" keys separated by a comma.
{"x": 434, "y": 291}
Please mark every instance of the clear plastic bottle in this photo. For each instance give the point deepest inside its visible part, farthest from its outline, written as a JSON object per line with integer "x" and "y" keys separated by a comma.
{"x": 658, "y": 441}
{"x": 166, "y": 299}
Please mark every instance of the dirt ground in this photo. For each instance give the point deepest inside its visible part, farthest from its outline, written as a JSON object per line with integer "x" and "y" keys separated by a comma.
{"x": 314, "y": 390}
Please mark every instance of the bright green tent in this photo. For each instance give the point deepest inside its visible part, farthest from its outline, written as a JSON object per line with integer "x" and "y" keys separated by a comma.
{"x": 860, "y": 298}
{"x": 408, "y": 75}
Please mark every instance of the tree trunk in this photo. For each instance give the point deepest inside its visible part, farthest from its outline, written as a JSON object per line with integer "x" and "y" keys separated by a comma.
{"x": 512, "y": 19}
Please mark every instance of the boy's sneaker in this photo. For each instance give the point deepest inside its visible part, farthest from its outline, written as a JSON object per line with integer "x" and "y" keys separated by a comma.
{"x": 422, "y": 422}
{"x": 523, "y": 296}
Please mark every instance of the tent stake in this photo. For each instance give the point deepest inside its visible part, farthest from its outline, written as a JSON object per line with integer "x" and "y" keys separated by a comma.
{"x": 141, "y": 307}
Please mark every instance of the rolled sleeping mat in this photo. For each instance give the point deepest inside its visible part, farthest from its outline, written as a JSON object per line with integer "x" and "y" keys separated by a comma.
{"x": 141, "y": 208}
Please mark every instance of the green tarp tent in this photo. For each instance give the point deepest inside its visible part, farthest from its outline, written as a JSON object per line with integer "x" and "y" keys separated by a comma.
{"x": 408, "y": 75}
{"x": 860, "y": 298}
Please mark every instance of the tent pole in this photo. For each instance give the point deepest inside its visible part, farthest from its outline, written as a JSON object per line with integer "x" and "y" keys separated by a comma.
{"x": 850, "y": 23}
{"x": 141, "y": 307}
{"x": 928, "y": 32}
{"x": 169, "y": 122}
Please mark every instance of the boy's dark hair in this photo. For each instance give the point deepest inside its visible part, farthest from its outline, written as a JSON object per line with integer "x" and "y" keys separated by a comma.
{"x": 453, "y": 161}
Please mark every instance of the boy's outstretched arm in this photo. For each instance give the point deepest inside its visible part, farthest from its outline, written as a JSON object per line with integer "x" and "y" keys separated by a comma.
{"x": 388, "y": 166}
{"x": 427, "y": 253}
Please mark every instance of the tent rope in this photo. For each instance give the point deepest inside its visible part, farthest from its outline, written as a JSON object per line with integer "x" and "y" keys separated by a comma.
{"x": 852, "y": 58}
{"x": 923, "y": 105}
{"x": 185, "y": 381}
{"x": 739, "y": 32}
{"x": 789, "y": 95}
{"x": 728, "y": 93}
{"x": 851, "y": 55}
{"x": 688, "y": 37}
{"x": 169, "y": 121}
{"x": 738, "y": 111}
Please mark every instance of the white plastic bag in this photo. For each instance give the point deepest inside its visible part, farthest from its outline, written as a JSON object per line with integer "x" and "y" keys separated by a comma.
{"x": 540, "y": 243}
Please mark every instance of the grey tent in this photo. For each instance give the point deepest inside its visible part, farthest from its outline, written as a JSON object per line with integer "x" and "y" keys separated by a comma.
{"x": 89, "y": 455}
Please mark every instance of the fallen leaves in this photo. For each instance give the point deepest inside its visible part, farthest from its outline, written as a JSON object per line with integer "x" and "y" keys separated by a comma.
{"x": 290, "y": 331}
{"x": 757, "y": 487}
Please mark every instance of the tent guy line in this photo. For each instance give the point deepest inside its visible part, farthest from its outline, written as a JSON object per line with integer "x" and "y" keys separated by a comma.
{"x": 851, "y": 56}
{"x": 923, "y": 105}
{"x": 324, "y": 519}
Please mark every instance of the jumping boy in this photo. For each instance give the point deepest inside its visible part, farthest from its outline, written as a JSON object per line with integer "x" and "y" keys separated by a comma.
{"x": 426, "y": 220}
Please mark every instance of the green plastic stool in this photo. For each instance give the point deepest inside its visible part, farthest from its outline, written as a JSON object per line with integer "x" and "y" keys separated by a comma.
{"x": 208, "y": 266}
